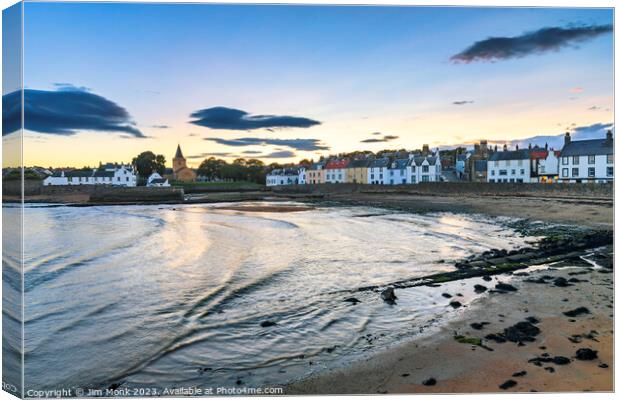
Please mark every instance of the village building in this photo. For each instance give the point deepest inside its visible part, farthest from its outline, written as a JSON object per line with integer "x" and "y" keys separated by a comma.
{"x": 180, "y": 171}
{"x": 587, "y": 161}
{"x": 156, "y": 180}
{"x": 509, "y": 166}
{"x": 459, "y": 165}
{"x": 545, "y": 164}
{"x": 284, "y": 176}
{"x": 118, "y": 175}
{"x": 357, "y": 171}
{"x": 397, "y": 172}
{"x": 423, "y": 169}
{"x": 302, "y": 175}
{"x": 378, "y": 171}
{"x": 315, "y": 174}
{"x": 336, "y": 171}
{"x": 479, "y": 171}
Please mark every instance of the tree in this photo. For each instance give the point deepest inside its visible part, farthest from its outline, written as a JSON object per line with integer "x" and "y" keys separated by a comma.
{"x": 147, "y": 162}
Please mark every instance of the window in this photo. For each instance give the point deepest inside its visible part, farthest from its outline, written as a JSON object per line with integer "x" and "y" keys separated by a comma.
{"x": 503, "y": 172}
{"x": 541, "y": 169}
{"x": 491, "y": 180}
{"x": 413, "y": 168}
{"x": 565, "y": 172}
{"x": 492, "y": 172}
{"x": 610, "y": 171}
{"x": 392, "y": 174}
{"x": 610, "y": 158}
{"x": 512, "y": 172}
{"x": 402, "y": 172}
{"x": 372, "y": 176}
{"x": 424, "y": 178}
{"x": 564, "y": 160}
{"x": 512, "y": 180}
{"x": 412, "y": 178}
{"x": 522, "y": 171}
{"x": 404, "y": 180}
{"x": 425, "y": 168}
{"x": 575, "y": 160}
{"x": 381, "y": 176}
{"x": 575, "y": 172}
{"x": 519, "y": 180}
{"x": 591, "y": 172}
{"x": 591, "y": 159}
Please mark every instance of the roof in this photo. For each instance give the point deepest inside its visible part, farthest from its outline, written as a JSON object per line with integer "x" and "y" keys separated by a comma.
{"x": 399, "y": 163}
{"x": 158, "y": 180}
{"x": 480, "y": 165}
{"x": 380, "y": 163}
{"x": 461, "y": 157}
{"x": 337, "y": 164}
{"x": 359, "y": 163}
{"x": 523, "y": 154}
{"x": 179, "y": 153}
{"x": 284, "y": 172}
{"x": 432, "y": 160}
{"x": 588, "y": 147}
{"x": 103, "y": 174}
{"x": 79, "y": 174}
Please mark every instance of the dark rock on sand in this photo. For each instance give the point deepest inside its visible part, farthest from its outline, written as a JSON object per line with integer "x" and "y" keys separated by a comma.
{"x": 455, "y": 304}
{"x": 561, "y": 282}
{"x": 523, "y": 331}
{"x": 446, "y": 295}
{"x": 550, "y": 369}
{"x": 520, "y": 373}
{"x": 352, "y": 300}
{"x": 532, "y": 320}
{"x": 388, "y": 295}
{"x": 478, "y": 325}
{"x": 586, "y": 354}
{"x": 505, "y": 287}
{"x": 266, "y": 324}
{"x": 603, "y": 365}
{"x": 480, "y": 288}
{"x": 558, "y": 360}
{"x": 486, "y": 278}
{"x": 430, "y": 382}
{"x": 576, "y": 312}
{"x": 496, "y": 337}
{"x": 508, "y": 384}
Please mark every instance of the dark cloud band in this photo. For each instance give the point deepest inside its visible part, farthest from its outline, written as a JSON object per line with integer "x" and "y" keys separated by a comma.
{"x": 65, "y": 112}
{"x": 233, "y": 119}
{"x": 297, "y": 144}
{"x": 540, "y": 41}
{"x": 384, "y": 139}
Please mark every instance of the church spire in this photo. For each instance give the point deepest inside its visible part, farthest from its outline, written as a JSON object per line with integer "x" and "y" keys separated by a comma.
{"x": 179, "y": 153}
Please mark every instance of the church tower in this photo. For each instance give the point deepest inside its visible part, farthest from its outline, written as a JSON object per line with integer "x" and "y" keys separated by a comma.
{"x": 178, "y": 162}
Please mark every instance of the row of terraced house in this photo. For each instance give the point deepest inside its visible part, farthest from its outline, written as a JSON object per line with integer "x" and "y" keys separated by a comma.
{"x": 395, "y": 170}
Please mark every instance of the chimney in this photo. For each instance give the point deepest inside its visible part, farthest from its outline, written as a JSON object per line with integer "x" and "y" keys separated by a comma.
{"x": 609, "y": 136}
{"x": 529, "y": 146}
{"x": 517, "y": 147}
{"x": 567, "y": 139}
{"x": 505, "y": 147}
{"x": 546, "y": 145}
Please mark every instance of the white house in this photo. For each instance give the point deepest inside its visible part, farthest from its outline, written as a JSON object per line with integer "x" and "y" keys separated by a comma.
{"x": 545, "y": 164}
{"x": 302, "y": 175}
{"x": 397, "y": 172}
{"x": 583, "y": 161}
{"x": 121, "y": 176}
{"x": 509, "y": 166}
{"x": 378, "y": 171}
{"x": 286, "y": 176}
{"x": 459, "y": 166}
{"x": 336, "y": 171}
{"x": 156, "y": 180}
{"x": 423, "y": 169}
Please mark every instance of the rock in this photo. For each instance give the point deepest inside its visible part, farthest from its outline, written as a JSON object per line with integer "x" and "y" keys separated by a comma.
{"x": 486, "y": 278}
{"x": 561, "y": 282}
{"x": 266, "y": 324}
{"x": 455, "y": 304}
{"x": 446, "y": 295}
{"x": 505, "y": 287}
{"x": 559, "y": 360}
{"x": 523, "y": 331}
{"x": 388, "y": 295}
{"x": 508, "y": 384}
{"x": 430, "y": 382}
{"x": 480, "y": 288}
{"x": 497, "y": 338}
{"x": 532, "y": 320}
{"x": 576, "y": 312}
{"x": 239, "y": 382}
{"x": 550, "y": 369}
{"x": 520, "y": 373}
{"x": 586, "y": 354}
{"x": 478, "y": 325}
{"x": 352, "y": 300}
{"x": 603, "y": 365}
{"x": 404, "y": 375}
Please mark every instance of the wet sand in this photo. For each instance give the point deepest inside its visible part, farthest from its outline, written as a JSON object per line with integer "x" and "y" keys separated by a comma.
{"x": 270, "y": 208}
{"x": 465, "y": 368}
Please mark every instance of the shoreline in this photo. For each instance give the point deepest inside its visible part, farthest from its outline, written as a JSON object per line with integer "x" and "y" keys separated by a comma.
{"x": 463, "y": 357}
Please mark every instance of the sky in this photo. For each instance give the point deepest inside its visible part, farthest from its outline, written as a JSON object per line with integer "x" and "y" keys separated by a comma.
{"x": 104, "y": 82}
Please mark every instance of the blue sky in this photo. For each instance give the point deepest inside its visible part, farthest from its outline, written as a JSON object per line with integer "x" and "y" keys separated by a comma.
{"x": 356, "y": 70}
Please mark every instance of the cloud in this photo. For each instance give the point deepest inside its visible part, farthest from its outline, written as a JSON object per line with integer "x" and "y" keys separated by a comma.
{"x": 280, "y": 154}
{"x": 70, "y": 86}
{"x": 251, "y": 152}
{"x": 215, "y": 154}
{"x": 376, "y": 133}
{"x": 233, "y": 119}
{"x": 297, "y": 144}
{"x": 162, "y": 127}
{"x": 594, "y": 108}
{"x": 576, "y": 89}
{"x": 537, "y": 42}
{"x": 384, "y": 139}
{"x": 65, "y": 112}
{"x": 462, "y": 102}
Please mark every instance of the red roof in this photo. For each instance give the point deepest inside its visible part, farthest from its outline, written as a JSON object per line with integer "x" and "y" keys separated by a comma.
{"x": 337, "y": 164}
{"x": 538, "y": 154}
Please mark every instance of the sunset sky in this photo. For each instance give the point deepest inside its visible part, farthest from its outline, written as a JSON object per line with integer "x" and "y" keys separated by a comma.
{"x": 281, "y": 83}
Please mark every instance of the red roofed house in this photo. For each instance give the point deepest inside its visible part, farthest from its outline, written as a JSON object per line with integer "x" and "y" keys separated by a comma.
{"x": 545, "y": 164}
{"x": 335, "y": 171}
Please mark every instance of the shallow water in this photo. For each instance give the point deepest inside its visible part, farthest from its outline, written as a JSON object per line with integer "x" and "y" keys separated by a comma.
{"x": 152, "y": 296}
